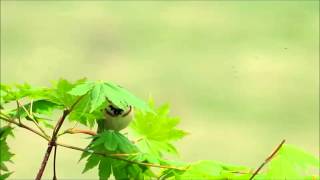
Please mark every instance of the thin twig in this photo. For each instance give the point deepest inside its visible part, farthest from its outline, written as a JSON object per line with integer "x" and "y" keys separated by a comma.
{"x": 138, "y": 140}
{"x": 267, "y": 159}
{"x": 51, "y": 143}
{"x": 119, "y": 157}
{"x": 75, "y": 125}
{"x": 114, "y": 156}
{"x": 78, "y": 131}
{"x": 61, "y": 144}
{"x": 53, "y": 139}
{"x": 18, "y": 112}
{"x": 94, "y": 152}
{"x": 31, "y": 107}
{"x": 32, "y": 118}
{"x": 3, "y": 114}
{"x": 75, "y": 103}
{"x": 54, "y": 163}
{"x": 26, "y": 127}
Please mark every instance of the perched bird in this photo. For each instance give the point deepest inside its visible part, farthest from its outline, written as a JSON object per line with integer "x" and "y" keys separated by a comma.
{"x": 115, "y": 118}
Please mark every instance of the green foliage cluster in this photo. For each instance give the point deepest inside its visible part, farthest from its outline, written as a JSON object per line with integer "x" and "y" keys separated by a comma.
{"x": 5, "y": 154}
{"x": 152, "y": 133}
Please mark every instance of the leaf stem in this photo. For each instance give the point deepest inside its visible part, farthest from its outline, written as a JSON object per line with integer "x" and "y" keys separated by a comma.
{"x": 117, "y": 156}
{"x": 138, "y": 140}
{"x": 62, "y": 144}
{"x": 78, "y": 131}
{"x": 267, "y": 159}
{"x": 29, "y": 114}
{"x": 18, "y": 112}
{"x": 54, "y": 163}
{"x": 25, "y": 127}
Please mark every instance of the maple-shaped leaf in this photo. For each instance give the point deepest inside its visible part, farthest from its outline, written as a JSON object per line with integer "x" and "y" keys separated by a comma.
{"x": 5, "y": 154}
{"x": 100, "y": 92}
{"x": 113, "y": 141}
{"x": 156, "y": 130}
{"x": 58, "y": 93}
{"x": 18, "y": 91}
{"x": 105, "y": 168}
{"x": 291, "y": 163}
{"x": 42, "y": 106}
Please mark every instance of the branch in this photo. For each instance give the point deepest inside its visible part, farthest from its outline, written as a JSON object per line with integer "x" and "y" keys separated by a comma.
{"x": 52, "y": 142}
{"x": 62, "y": 144}
{"x": 267, "y": 159}
{"x": 117, "y": 156}
{"x": 30, "y": 116}
{"x": 18, "y": 112}
{"x": 78, "y": 131}
{"x": 138, "y": 140}
{"x": 94, "y": 152}
{"x": 54, "y": 163}
{"x": 25, "y": 127}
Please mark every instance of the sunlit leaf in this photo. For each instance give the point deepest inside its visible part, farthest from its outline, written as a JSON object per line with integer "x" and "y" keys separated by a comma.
{"x": 291, "y": 163}
{"x": 104, "y": 168}
{"x": 5, "y": 154}
{"x": 100, "y": 92}
{"x": 158, "y": 130}
{"x": 92, "y": 162}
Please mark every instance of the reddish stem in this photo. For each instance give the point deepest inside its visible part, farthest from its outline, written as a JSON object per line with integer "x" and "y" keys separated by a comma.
{"x": 267, "y": 159}
{"x": 81, "y": 131}
{"x": 52, "y": 143}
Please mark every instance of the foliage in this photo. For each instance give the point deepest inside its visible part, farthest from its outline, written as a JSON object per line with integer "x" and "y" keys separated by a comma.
{"x": 156, "y": 130}
{"x": 291, "y": 163}
{"x": 111, "y": 142}
{"x": 5, "y": 154}
{"x": 152, "y": 133}
{"x": 99, "y": 92}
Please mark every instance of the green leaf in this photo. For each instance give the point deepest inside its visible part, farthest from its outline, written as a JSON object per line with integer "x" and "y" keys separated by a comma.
{"x": 100, "y": 92}
{"x": 104, "y": 168}
{"x": 122, "y": 98}
{"x": 44, "y": 107}
{"x": 85, "y": 154}
{"x": 81, "y": 89}
{"x": 124, "y": 144}
{"x": 5, "y": 175}
{"x": 4, "y": 91}
{"x": 59, "y": 92}
{"x": 81, "y": 113}
{"x": 158, "y": 130}
{"x": 203, "y": 170}
{"x": 92, "y": 162}
{"x": 19, "y": 91}
{"x": 197, "y": 170}
{"x": 291, "y": 163}
{"x": 143, "y": 157}
{"x": 111, "y": 141}
{"x": 119, "y": 170}
{"x": 5, "y": 154}
{"x": 135, "y": 172}
{"x": 5, "y": 131}
{"x": 97, "y": 97}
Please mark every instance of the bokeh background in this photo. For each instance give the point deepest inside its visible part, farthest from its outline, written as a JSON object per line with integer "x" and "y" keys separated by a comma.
{"x": 242, "y": 75}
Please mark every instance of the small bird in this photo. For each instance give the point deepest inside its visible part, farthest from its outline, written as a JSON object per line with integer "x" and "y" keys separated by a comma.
{"x": 115, "y": 118}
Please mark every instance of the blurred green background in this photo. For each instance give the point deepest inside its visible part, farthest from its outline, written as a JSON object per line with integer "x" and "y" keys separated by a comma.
{"x": 241, "y": 75}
